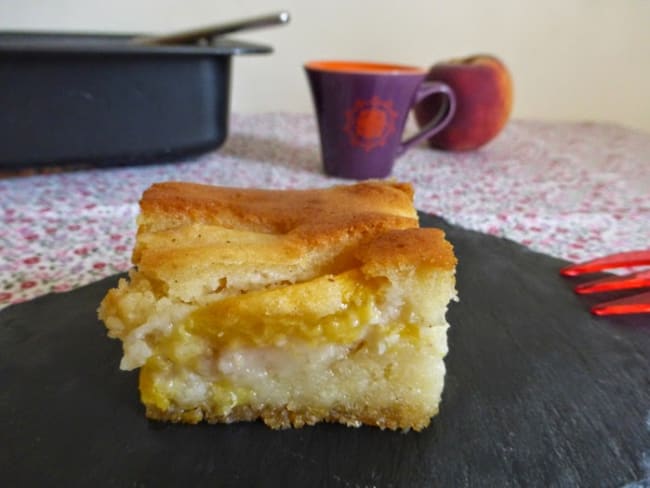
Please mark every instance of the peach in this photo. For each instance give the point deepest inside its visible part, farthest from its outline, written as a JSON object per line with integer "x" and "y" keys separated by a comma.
{"x": 483, "y": 88}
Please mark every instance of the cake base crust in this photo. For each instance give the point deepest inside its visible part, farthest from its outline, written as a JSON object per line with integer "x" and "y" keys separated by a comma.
{"x": 401, "y": 417}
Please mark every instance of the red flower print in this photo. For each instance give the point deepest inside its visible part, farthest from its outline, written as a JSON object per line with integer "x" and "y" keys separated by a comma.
{"x": 31, "y": 260}
{"x": 27, "y": 284}
{"x": 5, "y": 296}
{"x": 369, "y": 123}
{"x": 99, "y": 265}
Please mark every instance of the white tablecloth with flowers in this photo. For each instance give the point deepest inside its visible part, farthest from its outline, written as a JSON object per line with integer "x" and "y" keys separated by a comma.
{"x": 571, "y": 190}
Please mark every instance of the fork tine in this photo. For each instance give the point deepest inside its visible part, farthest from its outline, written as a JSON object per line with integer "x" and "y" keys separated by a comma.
{"x": 628, "y": 305}
{"x": 618, "y": 260}
{"x": 640, "y": 279}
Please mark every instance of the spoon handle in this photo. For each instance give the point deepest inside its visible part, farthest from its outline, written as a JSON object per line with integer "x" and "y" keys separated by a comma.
{"x": 194, "y": 35}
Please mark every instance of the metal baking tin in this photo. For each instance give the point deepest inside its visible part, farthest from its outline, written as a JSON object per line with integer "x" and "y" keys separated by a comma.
{"x": 98, "y": 99}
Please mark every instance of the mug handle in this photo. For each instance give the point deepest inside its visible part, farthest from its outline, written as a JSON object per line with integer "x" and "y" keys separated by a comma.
{"x": 442, "y": 118}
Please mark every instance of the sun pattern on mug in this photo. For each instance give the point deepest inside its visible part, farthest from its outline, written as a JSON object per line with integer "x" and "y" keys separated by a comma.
{"x": 369, "y": 123}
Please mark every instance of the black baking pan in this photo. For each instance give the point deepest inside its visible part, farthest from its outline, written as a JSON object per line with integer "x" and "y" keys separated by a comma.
{"x": 105, "y": 100}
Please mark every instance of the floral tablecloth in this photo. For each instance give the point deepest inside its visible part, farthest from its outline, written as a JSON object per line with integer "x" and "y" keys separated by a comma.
{"x": 572, "y": 190}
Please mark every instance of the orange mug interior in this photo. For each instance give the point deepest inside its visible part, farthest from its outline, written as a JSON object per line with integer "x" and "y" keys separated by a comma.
{"x": 363, "y": 67}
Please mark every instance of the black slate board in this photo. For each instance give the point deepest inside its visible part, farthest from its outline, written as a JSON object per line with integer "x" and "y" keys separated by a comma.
{"x": 538, "y": 393}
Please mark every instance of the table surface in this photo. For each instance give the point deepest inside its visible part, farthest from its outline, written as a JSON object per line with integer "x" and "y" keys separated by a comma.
{"x": 570, "y": 190}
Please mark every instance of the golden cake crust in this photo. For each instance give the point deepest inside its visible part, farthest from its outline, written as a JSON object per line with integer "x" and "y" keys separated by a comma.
{"x": 408, "y": 247}
{"x": 305, "y": 218}
{"x": 276, "y": 211}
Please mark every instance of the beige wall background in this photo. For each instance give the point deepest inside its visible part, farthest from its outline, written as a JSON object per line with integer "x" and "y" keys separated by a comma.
{"x": 570, "y": 59}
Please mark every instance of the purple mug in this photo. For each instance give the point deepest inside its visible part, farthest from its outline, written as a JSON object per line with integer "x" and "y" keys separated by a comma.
{"x": 362, "y": 109}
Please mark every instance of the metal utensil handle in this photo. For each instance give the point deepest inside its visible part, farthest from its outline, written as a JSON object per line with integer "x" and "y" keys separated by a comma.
{"x": 194, "y": 35}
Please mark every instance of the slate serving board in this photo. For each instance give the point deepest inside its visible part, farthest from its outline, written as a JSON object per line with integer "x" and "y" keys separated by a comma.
{"x": 538, "y": 393}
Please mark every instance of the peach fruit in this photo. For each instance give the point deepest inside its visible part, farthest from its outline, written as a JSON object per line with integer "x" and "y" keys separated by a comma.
{"x": 483, "y": 88}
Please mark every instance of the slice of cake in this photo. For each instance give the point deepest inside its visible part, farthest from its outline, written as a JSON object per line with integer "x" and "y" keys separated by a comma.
{"x": 293, "y": 307}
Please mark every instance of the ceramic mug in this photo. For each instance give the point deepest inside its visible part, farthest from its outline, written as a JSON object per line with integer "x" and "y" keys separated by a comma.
{"x": 362, "y": 109}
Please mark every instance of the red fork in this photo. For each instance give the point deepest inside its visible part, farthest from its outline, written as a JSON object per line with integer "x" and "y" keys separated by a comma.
{"x": 628, "y": 305}
{"x": 614, "y": 283}
{"x": 634, "y": 304}
{"x": 618, "y": 260}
